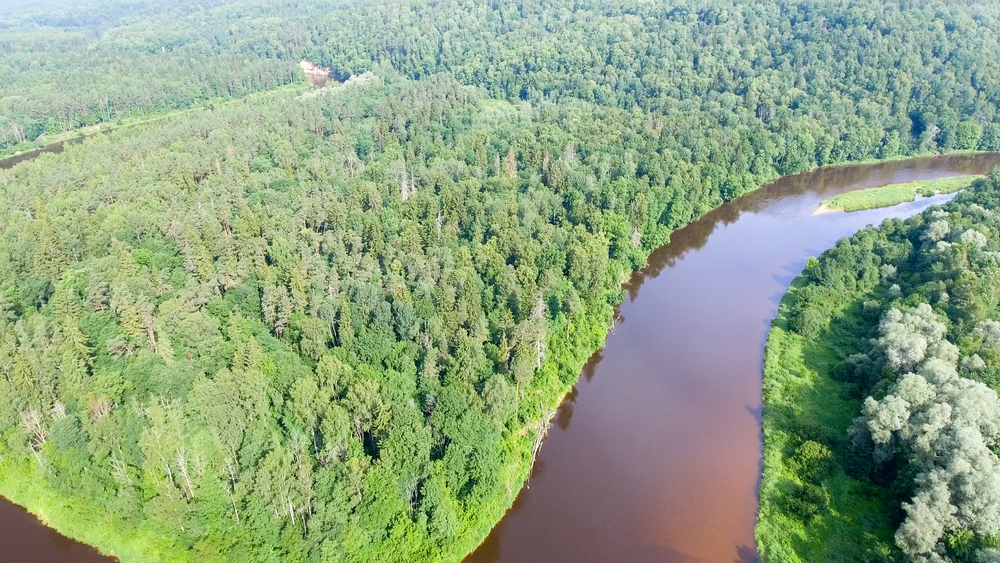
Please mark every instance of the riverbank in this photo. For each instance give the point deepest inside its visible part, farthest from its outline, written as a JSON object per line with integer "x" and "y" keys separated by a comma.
{"x": 565, "y": 356}
{"x": 44, "y": 142}
{"x": 694, "y": 486}
{"x": 823, "y": 495}
{"x": 886, "y": 196}
{"x": 23, "y": 482}
{"x": 802, "y": 518}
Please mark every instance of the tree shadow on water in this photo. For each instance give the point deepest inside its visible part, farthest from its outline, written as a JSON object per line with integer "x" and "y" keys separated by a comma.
{"x": 590, "y": 368}
{"x": 565, "y": 413}
{"x": 746, "y": 554}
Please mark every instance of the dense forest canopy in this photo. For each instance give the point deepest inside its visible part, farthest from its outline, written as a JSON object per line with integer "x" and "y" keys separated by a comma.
{"x": 899, "y": 328}
{"x": 331, "y": 324}
{"x": 873, "y": 78}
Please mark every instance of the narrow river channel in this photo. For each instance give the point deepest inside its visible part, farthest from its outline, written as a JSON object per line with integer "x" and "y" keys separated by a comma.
{"x": 55, "y": 148}
{"x": 655, "y": 456}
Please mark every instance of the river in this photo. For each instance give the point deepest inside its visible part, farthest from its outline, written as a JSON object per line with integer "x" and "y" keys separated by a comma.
{"x": 656, "y": 454}
{"x": 32, "y": 154}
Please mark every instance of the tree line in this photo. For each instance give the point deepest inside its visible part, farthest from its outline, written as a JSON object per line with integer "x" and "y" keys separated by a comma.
{"x": 827, "y": 82}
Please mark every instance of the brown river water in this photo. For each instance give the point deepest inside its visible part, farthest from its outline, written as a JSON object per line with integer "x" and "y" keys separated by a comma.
{"x": 656, "y": 454}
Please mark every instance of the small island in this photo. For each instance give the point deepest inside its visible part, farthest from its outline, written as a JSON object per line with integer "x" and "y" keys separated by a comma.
{"x": 894, "y": 194}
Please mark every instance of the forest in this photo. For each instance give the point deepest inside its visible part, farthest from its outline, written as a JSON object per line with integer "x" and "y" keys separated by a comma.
{"x": 331, "y": 324}
{"x": 882, "y": 418}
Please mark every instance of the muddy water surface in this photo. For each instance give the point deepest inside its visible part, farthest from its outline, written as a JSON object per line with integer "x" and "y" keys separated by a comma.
{"x": 656, "y": 455}
{"x": 23, "y": 539}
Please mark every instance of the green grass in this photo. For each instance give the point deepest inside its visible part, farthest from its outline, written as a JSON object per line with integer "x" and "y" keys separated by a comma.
{"x": 894, "y": 194}
{"x": 803, "y": 402}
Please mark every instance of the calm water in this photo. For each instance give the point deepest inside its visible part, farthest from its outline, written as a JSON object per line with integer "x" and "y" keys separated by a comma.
{"x": 656, "y": 454}
{"x": 23, "y": 539}
{"x": 55, "y": 148}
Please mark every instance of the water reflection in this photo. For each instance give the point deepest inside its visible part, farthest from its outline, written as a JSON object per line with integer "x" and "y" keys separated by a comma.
{"x": 824, "y": 182}
{"x": 565, "y": 412}
{"x": 54, "y": 148}
{"x": 590, "y": 368}
{"x": 658, "y": 459}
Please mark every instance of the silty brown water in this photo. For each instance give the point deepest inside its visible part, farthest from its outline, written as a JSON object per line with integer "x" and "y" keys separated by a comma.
{"x": 23, "y": 539}
{"x": 655, "y": 456}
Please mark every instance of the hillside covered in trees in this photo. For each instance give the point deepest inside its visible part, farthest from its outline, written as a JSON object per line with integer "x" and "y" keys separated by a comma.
{"x": 330, "y": 325}
{"x": 881, "y": 411}
{"x": 877, "y": 79}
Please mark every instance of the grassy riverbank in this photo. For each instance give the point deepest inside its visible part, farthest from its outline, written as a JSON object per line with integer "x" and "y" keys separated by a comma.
{"x": 887, "y": 196}
{"x": 22, "y": 481}
{"x": 828, "y": 516}
{"x": 23, "y": 477}
{"x": 847, "y": 454}
{"x": 334, "y": 328}
{"x": 25, "y": 481}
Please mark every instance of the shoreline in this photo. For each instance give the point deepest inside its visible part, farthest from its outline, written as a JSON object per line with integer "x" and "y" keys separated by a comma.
{"x": 551, "y": 393}
{"x": 890, "y": 195}
{"x": 553, "y": 409}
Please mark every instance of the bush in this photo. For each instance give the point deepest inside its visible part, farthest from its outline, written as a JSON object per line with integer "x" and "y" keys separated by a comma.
{"x": 807, "y": 501}
{"x": 812, "y": 460}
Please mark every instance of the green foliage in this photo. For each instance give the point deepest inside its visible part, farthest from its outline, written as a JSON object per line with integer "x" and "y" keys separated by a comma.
{"x": 912, "y": 339}
{"x": 894, "y": 194}
{"x": 293, "y": 367}
{"x": 324, "y": 325}
{"x": 812, "y": 460}
{"x": 806, "y": 501}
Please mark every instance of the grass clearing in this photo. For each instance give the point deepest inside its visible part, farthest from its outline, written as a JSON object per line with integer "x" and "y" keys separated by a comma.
{"x": 887, "y": 196}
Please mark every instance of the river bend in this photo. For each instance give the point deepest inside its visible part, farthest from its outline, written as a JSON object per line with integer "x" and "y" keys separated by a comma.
{"x": 655, "y": 455}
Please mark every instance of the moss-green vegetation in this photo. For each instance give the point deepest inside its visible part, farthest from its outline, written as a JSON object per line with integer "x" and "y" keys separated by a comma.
{"x": 858, "y": 466}
{"x": 894, "y": 194}
{"x": 806, "y": 515}
{"x": 331, "y": 327}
